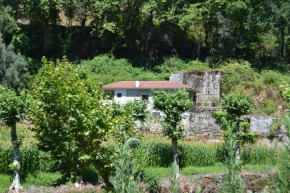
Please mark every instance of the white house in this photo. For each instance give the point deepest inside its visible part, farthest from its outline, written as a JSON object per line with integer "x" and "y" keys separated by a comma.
{"x": 125, "y": 91}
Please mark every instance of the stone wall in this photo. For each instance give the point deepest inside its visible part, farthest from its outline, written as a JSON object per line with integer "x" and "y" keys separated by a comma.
{"x": 260, "y": 124}
{"x": 198, "y": 125}
{"x": 202, "y": 125}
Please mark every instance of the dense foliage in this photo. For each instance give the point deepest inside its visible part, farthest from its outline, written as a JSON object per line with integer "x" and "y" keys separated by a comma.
{"x": 147, "y": 31}
{"x": 70, "y": 117}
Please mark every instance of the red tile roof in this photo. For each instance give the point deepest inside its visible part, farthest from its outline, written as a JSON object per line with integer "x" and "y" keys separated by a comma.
{"x": 170, "y": 85}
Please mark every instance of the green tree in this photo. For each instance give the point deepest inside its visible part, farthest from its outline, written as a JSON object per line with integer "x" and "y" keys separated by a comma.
{"x": 173, "y": 105}
{"x": 70, "y": 116}
{"x": 11, "y": 110}
{"x": 233, "y": 107}
{"x": 8, "y": 23}
{"x": 13, "y": 68}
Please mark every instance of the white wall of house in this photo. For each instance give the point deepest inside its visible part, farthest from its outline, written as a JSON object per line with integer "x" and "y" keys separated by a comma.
{"x": 120, "y": 96}
{"x": 123, "y": 96}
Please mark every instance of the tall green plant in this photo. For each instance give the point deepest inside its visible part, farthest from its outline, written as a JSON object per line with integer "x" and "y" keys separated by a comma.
{"x": 125, "y": 180}
{"x": 173, "y": 105}
{"x": 233, "y": 181}
{"x": 284, "y": 167}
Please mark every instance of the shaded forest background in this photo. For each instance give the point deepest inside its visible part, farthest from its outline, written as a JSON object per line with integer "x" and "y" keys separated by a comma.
{"x": 146, "y": 32}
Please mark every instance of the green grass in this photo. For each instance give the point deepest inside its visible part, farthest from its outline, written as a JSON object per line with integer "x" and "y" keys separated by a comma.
{"x": 201, "y": 170}
{"x": 258, "y": 168}
{"x": 41, "y": 179}
{"x": 160, "y": 172}
{"x": 37, "y": 179}
{"x": 5, "y": 182}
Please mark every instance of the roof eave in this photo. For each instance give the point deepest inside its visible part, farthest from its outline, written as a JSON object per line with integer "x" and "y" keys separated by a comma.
{"x": 139, "y": 88}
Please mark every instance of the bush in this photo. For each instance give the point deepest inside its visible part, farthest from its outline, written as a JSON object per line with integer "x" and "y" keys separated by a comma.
{"x": 106, "y": 69}
{"x": 271, "y": 78}
{"x": 235, "y": 74}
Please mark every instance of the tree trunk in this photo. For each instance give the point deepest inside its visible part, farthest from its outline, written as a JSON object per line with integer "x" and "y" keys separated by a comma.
{"x": 79, "y": 182}
{"x": 175, "y": 156}
{"x": 46, "y": 31}
{"x": 16, "y": 173}
{"x": 283, "y": 47}
{"x": 105, "y": 175}
{"x": 237, "y": 148}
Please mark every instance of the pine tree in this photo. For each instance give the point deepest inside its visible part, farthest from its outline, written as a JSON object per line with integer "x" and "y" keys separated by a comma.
{"x": 13, "y": 68}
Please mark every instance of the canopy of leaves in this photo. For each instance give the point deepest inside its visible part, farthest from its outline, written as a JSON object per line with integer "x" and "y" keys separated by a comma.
{"x": 173, "y": 105}
{"x": 11, "y": 106}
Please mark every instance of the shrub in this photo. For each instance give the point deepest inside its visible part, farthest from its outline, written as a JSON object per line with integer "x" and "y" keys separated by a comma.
{"x": 106, "y": 69}
{"x": 271, "y": 78}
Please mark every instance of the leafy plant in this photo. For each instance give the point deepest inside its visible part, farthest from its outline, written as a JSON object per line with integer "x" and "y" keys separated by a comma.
{"x": 125, "y": 179}
{"x": 233, "y": 181}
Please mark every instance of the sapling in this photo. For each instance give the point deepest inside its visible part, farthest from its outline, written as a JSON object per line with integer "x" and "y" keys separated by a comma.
{"x": 11, "y": 110}
{"x": 173, "y": 105}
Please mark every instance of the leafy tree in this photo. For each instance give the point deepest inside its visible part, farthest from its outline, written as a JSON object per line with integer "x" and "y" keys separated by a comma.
{"x": 70, "y": 117}
{"x": 233, "y": 107}
{"x": 11, "y": 110}
{"x": 138, "y": 108}
{"x": 13, "y": 68}
{"x": 8, "y": 23}
{"x": 173, "y": 105}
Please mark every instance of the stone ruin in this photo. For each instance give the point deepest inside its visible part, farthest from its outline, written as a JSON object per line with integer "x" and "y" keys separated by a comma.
{"x": 206, "y": 82}
{"x": 200, "y": 123}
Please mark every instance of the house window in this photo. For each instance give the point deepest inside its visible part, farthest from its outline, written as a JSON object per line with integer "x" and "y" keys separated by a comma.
{"x": 156, "y": 114}
{"x": 119, "y": 95}
{"x": 145, "y": 97}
